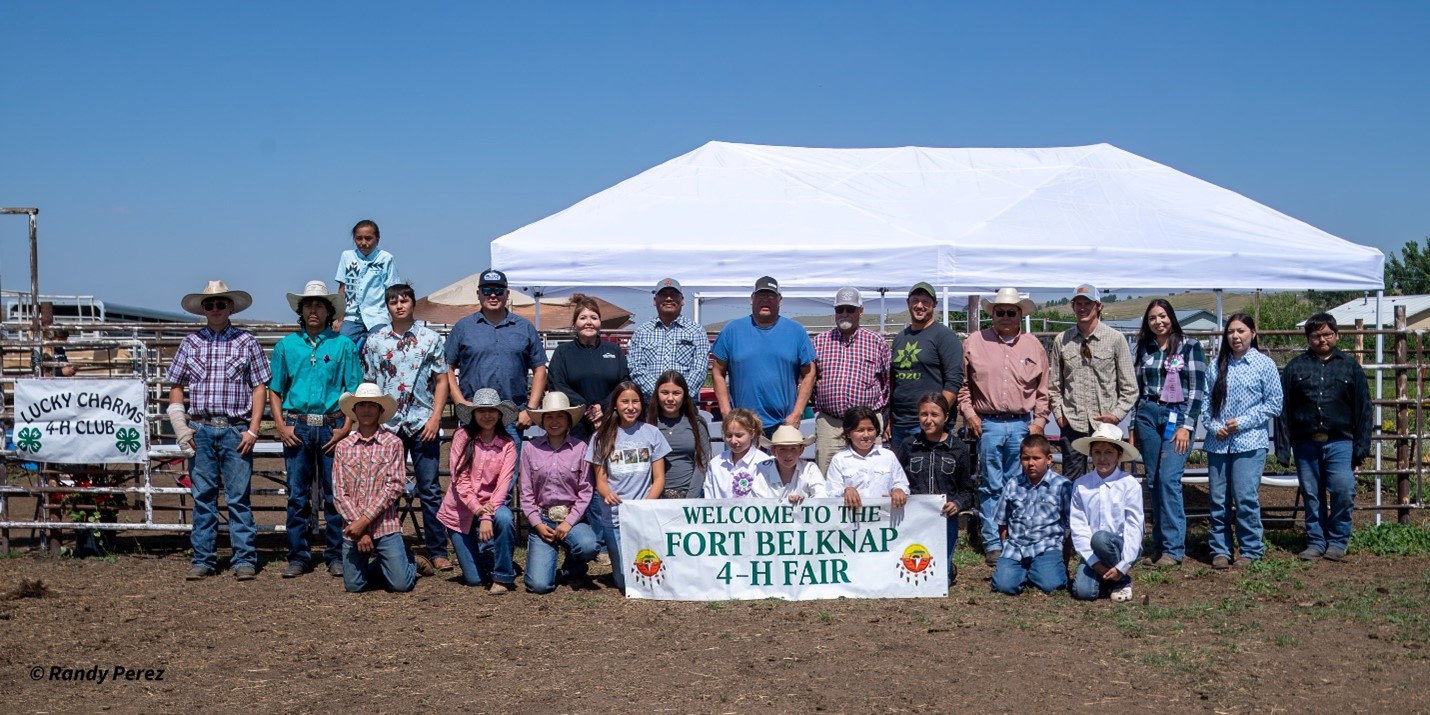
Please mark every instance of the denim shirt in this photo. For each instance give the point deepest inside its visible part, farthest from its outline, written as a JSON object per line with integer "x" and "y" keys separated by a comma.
{"x": 1253, "y": 397}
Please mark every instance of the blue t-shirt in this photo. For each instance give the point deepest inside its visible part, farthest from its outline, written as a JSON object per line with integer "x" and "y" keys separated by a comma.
{"x": 365, "y": 282}
{"x": 762, "y": 365}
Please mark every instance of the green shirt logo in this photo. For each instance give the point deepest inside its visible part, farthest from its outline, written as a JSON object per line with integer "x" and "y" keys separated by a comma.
{"x": 907, "y": 356}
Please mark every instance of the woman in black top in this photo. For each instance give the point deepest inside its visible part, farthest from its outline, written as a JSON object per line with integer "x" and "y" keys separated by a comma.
{"x": 587, "y": 368}
{"x": 937, "y": 462}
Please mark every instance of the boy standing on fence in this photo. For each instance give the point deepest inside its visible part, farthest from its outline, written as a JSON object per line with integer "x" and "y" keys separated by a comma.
{"x": 225, "y": 371}
{"x": 364, "y": 272}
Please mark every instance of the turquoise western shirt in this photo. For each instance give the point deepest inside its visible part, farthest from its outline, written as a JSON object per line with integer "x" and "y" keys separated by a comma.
{"x": 311, "y": 374}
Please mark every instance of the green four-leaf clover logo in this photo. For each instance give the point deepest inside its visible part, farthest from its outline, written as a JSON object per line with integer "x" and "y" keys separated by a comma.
{"x": 29, "y": 440}
{"x": 127, "y": 440}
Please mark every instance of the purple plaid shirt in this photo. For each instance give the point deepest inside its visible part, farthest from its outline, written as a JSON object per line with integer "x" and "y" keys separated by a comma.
{"x": 220, "y": 369}
{"x": 850, "y": 372}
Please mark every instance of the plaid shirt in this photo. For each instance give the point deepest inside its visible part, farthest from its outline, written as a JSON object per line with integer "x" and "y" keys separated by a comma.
{"x": 220, "y": 369}
{"x": 1099, "y": 381}
{"x": 1036, "y": 516}
{"x": 656, "y": 347}
{"x": 850, "y": 371}
{"x": 369, "y": 474}
{"x": 1152, "y": 372}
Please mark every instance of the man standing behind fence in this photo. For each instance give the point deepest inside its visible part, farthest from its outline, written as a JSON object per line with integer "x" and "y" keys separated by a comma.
{"x": 225, "y": 371}
{"x": 1328, "y": 412}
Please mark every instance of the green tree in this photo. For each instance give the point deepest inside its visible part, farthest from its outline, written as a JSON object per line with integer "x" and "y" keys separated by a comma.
{"x": 1409, "y": 273}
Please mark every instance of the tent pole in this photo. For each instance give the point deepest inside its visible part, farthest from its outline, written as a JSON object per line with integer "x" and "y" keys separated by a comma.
{"x": 1379, "y": 388}
{"x": 1219, "y": 322}
{"x": 945, "y": 305}
{"x": 883, "y": 311}
{"x": 696, "y": 308}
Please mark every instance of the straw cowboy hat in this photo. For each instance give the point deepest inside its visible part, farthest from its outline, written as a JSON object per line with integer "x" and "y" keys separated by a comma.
{"x": 487, "y": 397}
{"x": 368, "y": 392}
{"x": 317, "y": 289}
{"x": 556, "y": 401}
{"x": 1009, "y": 296}
{"x": 787, "y": 436}
{"x": 194, "y": 302}
{"x": 1111, "y": 434}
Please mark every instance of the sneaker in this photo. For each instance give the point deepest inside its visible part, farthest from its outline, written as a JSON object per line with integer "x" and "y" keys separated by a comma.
{"x": 335, "y": 569}
{"x": 991, "y": 558}
{"x": 245, "y": 572}
{"x": 295, "y": 569}
{"x": 198, "y": 573}
{"x": 424, "y": 566}
{"x": 441, "y": 563}
{"x": 1311, "y": 554}
{"x": 500, "y": 589}
{"x": 1221, "y": 562}
{"x": 1335, "y": 553}
{"x": 1242, "y": 562}
{"x": 1122, "y": 595}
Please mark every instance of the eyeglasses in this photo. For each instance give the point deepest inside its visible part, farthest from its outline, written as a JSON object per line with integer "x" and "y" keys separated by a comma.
{"x": 492, "y": 291}
{"x": 1010, "y": 313}
{"x": 846, "y": 309}
{"x": 1323, "y": 336}
{"x": 215, "y": 304}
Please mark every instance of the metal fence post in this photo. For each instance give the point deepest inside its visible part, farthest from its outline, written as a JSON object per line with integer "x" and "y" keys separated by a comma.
{"x": 1402, "y": 416}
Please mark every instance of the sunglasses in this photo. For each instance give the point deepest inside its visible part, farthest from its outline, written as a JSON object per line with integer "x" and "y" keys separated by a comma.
{"x": 845, "y": 309}
{"x": 493, "y": 291}
{"x": 1010, "y": 313}
{"x": 216, "y": 304}
{"x": 1086, "y": 350}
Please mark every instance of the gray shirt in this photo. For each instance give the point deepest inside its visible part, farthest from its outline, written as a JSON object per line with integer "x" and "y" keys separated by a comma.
{"x": 681, "y": 471}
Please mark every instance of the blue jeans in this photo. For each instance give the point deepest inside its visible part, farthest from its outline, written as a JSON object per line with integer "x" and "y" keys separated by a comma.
{"x": 1046, "y": 571}
{"x": 595, "y": 517}
{"x": 951, "y": 525}
{"x": 1164, "y": 480}
{"x": 897, "y": 434}
{"x": 1087, "y": 585}
{"x": 998, "y": 451}
{"x": 487, "y": 561}
{"x": 353, "y": 329}
{"x": 216, "y": 459}
{"x": 613, "y": 545}
{"x": 300, "y": 462}
{"x": 425, "y": 456}
{"x": 1324, "y": 469}
{"x": 1236, "y": 478}
{"x": 389, "y": 563}
{"x": 580, "y": 548}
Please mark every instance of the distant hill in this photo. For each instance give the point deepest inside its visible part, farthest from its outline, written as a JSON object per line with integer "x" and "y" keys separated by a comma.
{"x": 1125, "y": 308}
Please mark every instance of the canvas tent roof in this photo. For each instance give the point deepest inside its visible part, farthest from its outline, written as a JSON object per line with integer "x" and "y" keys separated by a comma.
{"x": 967, "y": 219}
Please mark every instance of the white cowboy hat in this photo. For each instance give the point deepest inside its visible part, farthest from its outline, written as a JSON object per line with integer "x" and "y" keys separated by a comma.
{"x": 1009, "y": 296}
{"x": 487, "y": 397}
{"x": 317, "y": 289}
{"x": 194, "y": 302}
{"x": 1111, "y": 434}
{"x": 368, "y": 392}
{"x": 789, "y": 436}
{"x": 556, "y": 401}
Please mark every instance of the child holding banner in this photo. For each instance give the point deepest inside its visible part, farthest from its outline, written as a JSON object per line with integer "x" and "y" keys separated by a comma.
{"x": 483, "y": 462}
{"x": 863, "y": 469}
{"x": 788, "y": 476}
{"x": 629, "y": 460}
{"x": 1106, "y": 517}
{"x": 735, "y": 473}
{"x": 937, "y": 462}
{"x": 1032, "y": 521}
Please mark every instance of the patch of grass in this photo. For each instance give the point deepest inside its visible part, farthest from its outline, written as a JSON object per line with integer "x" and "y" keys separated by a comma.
{"x": 12, "y": 554}
{"x": 825, "y": 617}
{"x": 716, "y": 605}
{"x": 588, "y": 601}
{"x": 1391, "y": 539}
{"x": 1271, "y": 577}
{"x": 1400, "y": 607}
{"x": 965, "y": 557}
{"x": 920, "y": 618}
{"x": 1151, "y": 576}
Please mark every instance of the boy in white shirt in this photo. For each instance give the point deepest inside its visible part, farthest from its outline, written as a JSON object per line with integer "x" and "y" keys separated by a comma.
{"x": 1106, "y": 517}
{"x": 788, "y": 476}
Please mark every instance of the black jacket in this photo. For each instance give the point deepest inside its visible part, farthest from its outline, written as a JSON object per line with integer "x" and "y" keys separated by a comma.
{"x": 939, "y": 468}
{"x": 1328, "y": 396}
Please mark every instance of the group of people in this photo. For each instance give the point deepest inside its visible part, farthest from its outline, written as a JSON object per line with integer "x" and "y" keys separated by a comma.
{"x": 361, "y": 386}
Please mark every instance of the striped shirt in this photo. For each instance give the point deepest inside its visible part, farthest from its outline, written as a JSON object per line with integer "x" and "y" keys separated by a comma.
{"x": 369, "y": 474}
{"x": 1152, "y": 372}
{"x": 1036, "y": 515}
{"x": 220, "y": 369}
{"x": 850, "y": 372}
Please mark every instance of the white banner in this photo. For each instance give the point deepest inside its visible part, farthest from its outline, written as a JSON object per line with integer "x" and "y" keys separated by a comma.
{"x": 721, "y": 549}
{"x": 77, "y": 421}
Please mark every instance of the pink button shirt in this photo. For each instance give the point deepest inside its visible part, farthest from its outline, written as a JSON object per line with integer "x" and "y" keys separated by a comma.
{"x": 482, "y": 480}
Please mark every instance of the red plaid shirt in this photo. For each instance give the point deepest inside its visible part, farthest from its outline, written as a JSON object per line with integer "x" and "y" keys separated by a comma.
{"x": 368, "y": 477}
{"x": 850, "y": 372}
{"x": 220, "y": 369}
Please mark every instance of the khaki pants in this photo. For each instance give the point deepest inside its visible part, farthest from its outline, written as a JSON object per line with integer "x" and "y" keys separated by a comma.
{"x": 829, "y": 438}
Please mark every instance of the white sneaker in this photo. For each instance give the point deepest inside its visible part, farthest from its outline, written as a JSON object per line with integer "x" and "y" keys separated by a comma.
{"x": 1122, "y": 595}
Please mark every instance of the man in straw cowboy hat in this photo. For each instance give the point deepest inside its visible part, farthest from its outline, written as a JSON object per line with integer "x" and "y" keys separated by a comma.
{"x": 225, "y": 371}
{"x": 1004, "y": 398}
{"x": 1105, "y": 517}
{"x": 369, "y": 475}
{"x": 556, "y": 491}
{"x": 312, "y": 368}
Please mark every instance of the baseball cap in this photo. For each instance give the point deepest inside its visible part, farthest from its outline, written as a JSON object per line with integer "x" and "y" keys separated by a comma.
{"x": 1088, "y": 291}
{"x": 492, "y": 277}
{"x": 925, "y": 287}
{"x": 668, "y": 283}
{"x": 848, "y": 295}
{"x": 767, "y": 283}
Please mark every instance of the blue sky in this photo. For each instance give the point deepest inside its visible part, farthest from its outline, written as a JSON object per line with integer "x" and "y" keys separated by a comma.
{"x": 168, "y": 143}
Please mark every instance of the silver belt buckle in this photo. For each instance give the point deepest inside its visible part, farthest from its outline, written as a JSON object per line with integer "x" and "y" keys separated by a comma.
{"x": 557, "y": 514}
{"x": 315, "y": 420}
{"x": 218, "y": 422}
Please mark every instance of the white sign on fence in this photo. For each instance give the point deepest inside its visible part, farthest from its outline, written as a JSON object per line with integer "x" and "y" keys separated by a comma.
{"x": 78, "y": 421}
{"x": 715, "y": 550}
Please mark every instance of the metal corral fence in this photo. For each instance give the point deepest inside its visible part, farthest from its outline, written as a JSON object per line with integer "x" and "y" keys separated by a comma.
{"x": 155, "y": 496}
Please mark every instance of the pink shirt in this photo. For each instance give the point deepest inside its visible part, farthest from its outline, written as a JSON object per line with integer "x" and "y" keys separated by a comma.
{"x": 482, "y": 480}
{"x": 555, "y": 477}
{"x": 999, "y": 377}
{"x": 369, "y": 474}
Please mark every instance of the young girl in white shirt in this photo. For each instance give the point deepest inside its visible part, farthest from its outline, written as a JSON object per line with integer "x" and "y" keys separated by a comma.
{"x": 735, "y": 473}
{"x": 863, "y": 469}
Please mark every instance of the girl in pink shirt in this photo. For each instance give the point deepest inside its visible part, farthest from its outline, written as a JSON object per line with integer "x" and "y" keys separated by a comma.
{"x": 474, "y": 510}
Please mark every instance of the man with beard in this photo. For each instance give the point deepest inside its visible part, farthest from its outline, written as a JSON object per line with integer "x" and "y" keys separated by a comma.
{"x": 851, "y": 368}
{"x": 927, "y": 357}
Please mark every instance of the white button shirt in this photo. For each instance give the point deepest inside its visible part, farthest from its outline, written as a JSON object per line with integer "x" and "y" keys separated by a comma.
{"x": 1113, "y": 505}
{"x": 874, "y": 475}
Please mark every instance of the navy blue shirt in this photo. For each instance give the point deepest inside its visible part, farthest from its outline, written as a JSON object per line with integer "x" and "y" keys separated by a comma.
{"x": 496, "y": 356}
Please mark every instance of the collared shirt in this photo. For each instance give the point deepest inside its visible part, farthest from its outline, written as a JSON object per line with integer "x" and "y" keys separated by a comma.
{"x": 369, "y": 474}
{"x": 483, "y": 479}
{"x": 943, "y": 467}
{"x": 555, "y": 477}
{"x": 1328, "y": 396}
{"x": 1253, "y": 397}
{"x": 807, "y": 480}
{"x": 365, "y": 282}
{"x": 1113, "y": 505}
{"x": 656, "y": 347}
{"x": 406, "y": 366}
{"x": 1152, "y": 372}
{"x": 1081, "y": 388}
{"x": 220, "y": 369}
{"x": 738, "y": 479}
{"x": 850, "y": 371}
{"x": 1004, "y": 377}
{"x": 763, "y": 364}
{"x": 312, "y": 373}
{"x": 1036, "y": 514}
{"x": 496, "y": 356}
{"x": 874, "y": 475}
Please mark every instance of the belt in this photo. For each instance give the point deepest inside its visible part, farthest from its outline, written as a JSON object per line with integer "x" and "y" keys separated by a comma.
{"x": 313, "y": 420}
{"x": 1320, "y": 437}
{"x": 556, "y": 514}
{"x": 218, "y": 421}
{"x": 1165, "y": 404}
{"x": 1003, "y": 416}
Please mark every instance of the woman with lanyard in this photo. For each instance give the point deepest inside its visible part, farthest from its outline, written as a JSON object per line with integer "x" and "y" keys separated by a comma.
{"x": 1171, "y": 386}
{"x": 587, "y": 368}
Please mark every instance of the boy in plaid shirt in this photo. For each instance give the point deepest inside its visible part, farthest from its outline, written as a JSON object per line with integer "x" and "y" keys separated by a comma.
{"x": 1032, "y": 520}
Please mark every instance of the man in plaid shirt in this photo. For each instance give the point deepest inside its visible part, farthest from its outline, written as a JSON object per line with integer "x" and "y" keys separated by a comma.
{"x": 226, "y": 373}
{"x": 669, "y": 342}
{"x": 851, "y": 367}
